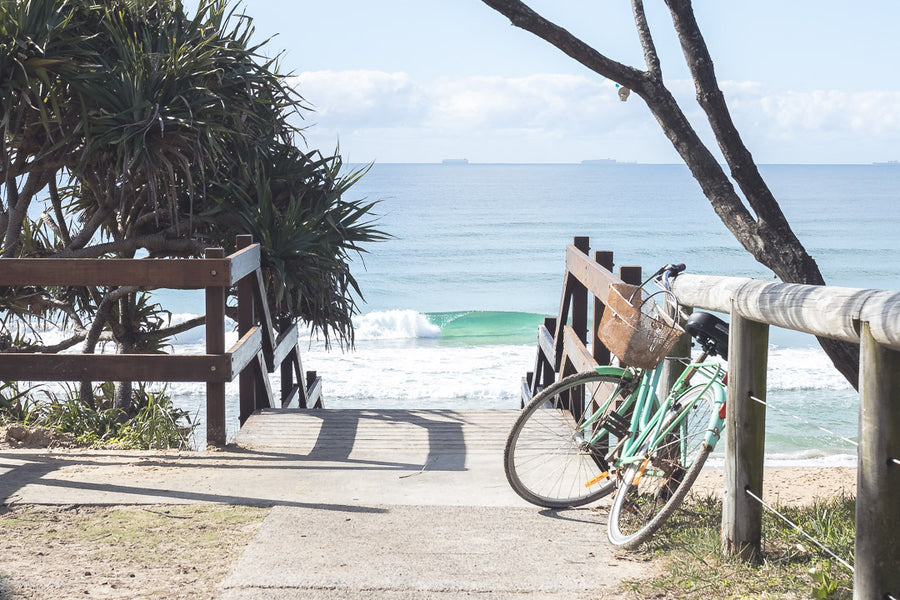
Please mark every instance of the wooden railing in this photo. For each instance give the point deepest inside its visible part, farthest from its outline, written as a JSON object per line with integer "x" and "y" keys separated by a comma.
{"x": 870, "y": 318}
{"x": 258, "y": 351}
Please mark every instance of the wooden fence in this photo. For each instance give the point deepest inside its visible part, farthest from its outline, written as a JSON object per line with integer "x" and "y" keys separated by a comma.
{"x": 870, "y": 318}
{"x": 258, "y": 351}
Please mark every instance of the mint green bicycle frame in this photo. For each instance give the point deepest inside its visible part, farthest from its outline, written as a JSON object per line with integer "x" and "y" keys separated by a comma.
{"x": 648, "y": 415}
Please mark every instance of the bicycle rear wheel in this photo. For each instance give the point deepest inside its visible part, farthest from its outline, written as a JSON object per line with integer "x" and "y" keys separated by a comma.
{"x": 652, "y": 489}
{"x": 548, "y": 458}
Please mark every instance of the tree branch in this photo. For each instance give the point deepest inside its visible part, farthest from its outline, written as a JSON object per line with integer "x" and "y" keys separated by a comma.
{"x": 799, "y": 267}
{"x": 173, "y": 330}
{"x": 60, "y": 217}
{"x": 523, "y": 17}
{"x": 650, "y": 55}
{"x": 162, "y": 242}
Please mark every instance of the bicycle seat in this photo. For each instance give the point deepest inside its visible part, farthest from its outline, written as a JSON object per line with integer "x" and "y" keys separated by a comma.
{"x": 710, "y": 331}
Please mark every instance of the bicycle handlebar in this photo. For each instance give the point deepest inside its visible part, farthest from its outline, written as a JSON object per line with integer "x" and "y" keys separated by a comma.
{"x": 667, "y": 271}
{"x": 670, "y": 269}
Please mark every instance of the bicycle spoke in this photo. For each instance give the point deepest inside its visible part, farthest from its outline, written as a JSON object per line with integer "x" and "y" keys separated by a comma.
{"x": 548, "y": 459}
{"x": 651, "y": 490}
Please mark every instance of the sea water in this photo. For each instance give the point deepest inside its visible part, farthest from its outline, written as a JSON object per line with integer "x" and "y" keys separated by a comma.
{"x": 476, "y": 262}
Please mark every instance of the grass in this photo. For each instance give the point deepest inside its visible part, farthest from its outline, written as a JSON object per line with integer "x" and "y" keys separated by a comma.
{"x": 790, "y": 566}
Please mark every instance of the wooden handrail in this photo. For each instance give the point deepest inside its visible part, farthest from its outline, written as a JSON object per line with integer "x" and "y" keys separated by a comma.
{"x": 112, "y": 367}
{"x": 591, "y": 274}
{"x": 832, "y": 312}
{"x": 258, "y": 346}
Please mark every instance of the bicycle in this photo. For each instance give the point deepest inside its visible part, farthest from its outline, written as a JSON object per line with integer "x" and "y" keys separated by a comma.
{"x": 598, "y": 431}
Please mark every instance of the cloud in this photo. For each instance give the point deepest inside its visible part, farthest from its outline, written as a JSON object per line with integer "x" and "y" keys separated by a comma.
{"x": 565, "y": 118}
{"x": 361, "y": 99}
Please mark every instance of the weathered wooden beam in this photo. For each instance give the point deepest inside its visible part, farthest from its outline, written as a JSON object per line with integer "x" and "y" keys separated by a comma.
{"x": 882, "y": 312}
{"x": 827, "y": 311}
{"x": 114, "y": 367}
{"x": 525, "y": 391}
{"x": 264, "y": 315}
{"x": 576, "y": 352}
{"x": 244, "y": 351}
{"x": 877, "y": 554}
{"x": 297, "y": 365}
{"x": 265, "y": 399}
{"x": 243, "y": 262}
{"x": 246, "y": 321}
{"x": 546, "y": 343}
{"x": 147, "y": 273}
{"x": 292, "y": 398}
{"x": 745, "y": 424}
{"x": 314, "y": 390}
{"x": 590, "y": 274}
{"x": 286, "y": 343}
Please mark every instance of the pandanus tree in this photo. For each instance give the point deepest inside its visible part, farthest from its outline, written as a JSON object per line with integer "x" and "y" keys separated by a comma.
{"x": 132, "y": 129}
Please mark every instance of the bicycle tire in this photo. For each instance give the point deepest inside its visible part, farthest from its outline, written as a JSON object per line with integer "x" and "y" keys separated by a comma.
{"x": 546, "y": 460}
{"x": 651, "y": 490}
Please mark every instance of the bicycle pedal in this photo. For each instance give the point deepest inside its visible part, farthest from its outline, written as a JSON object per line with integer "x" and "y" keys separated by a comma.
{"x": 615, "y": 424}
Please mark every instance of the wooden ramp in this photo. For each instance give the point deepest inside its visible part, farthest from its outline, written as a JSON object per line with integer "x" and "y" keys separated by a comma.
{"x": 369, "y": 434}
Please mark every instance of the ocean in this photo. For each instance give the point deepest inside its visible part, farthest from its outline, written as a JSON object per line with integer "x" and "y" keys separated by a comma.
{"x": 476, "y": 262}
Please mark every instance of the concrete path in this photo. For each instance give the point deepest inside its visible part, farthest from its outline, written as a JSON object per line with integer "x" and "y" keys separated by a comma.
{"x": 367, "y": 504}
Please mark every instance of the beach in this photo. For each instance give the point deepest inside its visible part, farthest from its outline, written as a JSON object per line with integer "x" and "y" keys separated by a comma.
{"x": 789, "y": 486}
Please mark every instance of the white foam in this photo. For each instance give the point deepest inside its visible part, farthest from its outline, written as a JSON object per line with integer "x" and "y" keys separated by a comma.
{"x": 394, "y": 324}
{"x": 803, "y": 369}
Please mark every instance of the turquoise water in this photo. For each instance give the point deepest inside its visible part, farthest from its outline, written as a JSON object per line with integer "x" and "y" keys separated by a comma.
{"x": 477, "y": 262}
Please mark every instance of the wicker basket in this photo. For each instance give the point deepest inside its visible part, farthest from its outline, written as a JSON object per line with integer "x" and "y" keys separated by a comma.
{"x": 635, "y": 329}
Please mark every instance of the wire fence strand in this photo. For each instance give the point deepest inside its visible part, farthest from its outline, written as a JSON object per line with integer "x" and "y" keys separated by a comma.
{"x": 795, "y": 417}
{"x": 798, "y": 528}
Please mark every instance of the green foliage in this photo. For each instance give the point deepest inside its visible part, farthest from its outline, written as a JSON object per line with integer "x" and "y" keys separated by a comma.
{"x": 142, "y": 129}
{"x": 307, "y": 230}
{"x": 155, "y": 424}
{"x": 15, "y": 404}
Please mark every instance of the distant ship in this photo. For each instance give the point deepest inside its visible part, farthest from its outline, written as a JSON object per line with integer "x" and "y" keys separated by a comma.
{"x": 455, "y": 161}
{"x": 599, "y": 161}
{"x": 890, "y": 163}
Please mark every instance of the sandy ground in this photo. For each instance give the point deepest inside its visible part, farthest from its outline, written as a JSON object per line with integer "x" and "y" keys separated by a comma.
{"x": 793, "y": 486}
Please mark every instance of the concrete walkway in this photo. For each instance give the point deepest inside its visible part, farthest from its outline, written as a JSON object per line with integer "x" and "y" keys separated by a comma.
{"x": 366, "y": 504}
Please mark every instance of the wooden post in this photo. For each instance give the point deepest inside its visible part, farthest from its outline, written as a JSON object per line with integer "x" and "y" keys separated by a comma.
{"x": 580, "y": 296}
{"x": 215, "y": 344}
{"x": 672, "y": 369}
{"x": 745, "y": 429}
{"x": 877, "y": 556}
{"x": 246, "y": 320}
{"x": 600, "y": 352}
{"x": 631, "y": 274}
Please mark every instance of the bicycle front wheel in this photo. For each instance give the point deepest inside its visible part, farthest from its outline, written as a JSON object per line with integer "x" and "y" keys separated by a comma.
{"x": 650, "y": 490}
{"x": 549, "y": 457}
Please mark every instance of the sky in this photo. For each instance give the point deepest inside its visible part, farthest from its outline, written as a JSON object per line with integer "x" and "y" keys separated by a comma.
{"x": 424, "y": 80}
